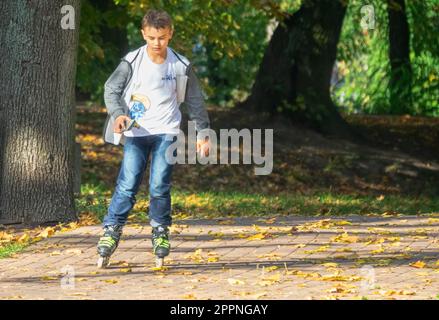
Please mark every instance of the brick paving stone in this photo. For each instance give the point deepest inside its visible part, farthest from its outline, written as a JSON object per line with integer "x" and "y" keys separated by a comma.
{"x": 39, "y": 272}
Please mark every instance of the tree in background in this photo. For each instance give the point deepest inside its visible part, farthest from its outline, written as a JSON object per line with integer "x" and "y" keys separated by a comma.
{"x": 37, "y": 113}
{"x": 294, "y": 77}
{"x": 400, "y": 83}
{"x": 365, "y": 53}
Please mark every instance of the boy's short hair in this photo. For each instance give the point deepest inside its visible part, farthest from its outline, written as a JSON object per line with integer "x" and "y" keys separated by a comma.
{"x": 157, "y": 19}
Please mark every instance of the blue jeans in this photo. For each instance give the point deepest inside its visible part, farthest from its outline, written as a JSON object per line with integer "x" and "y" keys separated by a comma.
{"x": 135, "y": 157}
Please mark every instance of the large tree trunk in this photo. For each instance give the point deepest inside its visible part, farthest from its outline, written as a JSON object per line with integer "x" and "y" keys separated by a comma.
{"x": 294, "y": 76}
{"x": 399, "y": 55}
{"x": 37, "y": 78}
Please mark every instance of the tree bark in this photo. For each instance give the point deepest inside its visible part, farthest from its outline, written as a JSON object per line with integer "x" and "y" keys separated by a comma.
{"x": 294, "y": 76}
{"x": 399, "y": 55}
{"x": 37, "y": 79}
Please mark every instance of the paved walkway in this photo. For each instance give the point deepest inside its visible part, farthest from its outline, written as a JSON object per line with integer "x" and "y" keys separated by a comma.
{"x": 287, "y": 257}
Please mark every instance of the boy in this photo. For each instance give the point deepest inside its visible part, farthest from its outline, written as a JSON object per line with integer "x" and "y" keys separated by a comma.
{"x": 148, "y": 86}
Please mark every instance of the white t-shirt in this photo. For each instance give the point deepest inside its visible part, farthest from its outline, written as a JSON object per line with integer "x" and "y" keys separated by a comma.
{"x": 154, "y": 99}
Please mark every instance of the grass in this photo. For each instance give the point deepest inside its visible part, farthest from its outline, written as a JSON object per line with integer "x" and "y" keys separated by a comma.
{"x": 209, "y": 204}
{"x": 9, "y": 249}
{"x": 242, "y": 204}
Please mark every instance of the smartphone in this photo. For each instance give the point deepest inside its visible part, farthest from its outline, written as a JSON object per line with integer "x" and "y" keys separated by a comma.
{"x": 130, "y": 124}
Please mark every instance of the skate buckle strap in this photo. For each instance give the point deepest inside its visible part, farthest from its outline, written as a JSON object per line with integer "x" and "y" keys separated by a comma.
{"x": 161, "y": 242}
{"x": 108, "y": 241}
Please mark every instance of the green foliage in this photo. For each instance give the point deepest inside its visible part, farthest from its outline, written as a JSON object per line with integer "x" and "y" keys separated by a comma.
{"x": 423, "y": 18}
{"x": 94, "y": 198}
{"x": 9, "y": 249}
{"x": 194, "y": 21}
{"x": 230, "y": 77}
{"x": 365, "y": 63}
{"x": 210, "y": 204}
{"x": 225, "y": 40}
{"x": 99, "y": 48}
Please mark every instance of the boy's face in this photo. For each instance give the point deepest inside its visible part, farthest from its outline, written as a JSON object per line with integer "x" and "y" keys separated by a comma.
{"x": 157, "y": 39}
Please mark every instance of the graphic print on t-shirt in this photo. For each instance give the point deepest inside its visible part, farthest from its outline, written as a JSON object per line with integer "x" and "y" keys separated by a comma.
{"x": 138, "y": 106}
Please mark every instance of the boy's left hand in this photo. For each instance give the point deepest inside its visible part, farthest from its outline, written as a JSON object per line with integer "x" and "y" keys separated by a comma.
{"x": 203, "y": 147}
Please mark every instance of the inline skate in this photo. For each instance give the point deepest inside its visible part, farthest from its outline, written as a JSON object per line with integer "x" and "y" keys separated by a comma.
{"x": 107, "y": 244}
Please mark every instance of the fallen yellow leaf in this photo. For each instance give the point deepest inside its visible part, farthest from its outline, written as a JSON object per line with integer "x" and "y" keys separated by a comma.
{"x": 6, "y": 237}
{"x": 345, "y": 238}
{"x": 380, "y": 250}
{"x": 162, "y": 269}
{"x": 433, "y": 220}
{"x": 112, "y": 281}
{"x": 408, "y": 293}
{"x": 258, "y": 236}
{"x": 24, "y": 238}
{"x": 212, "y": 259}
{"x": 341, "y": 289}
{"x": 272, "y": 268}
{"x": 330, "y": 265}
{"x": 319, "y": 249}
{"x": 338, "y": 277}
{"x": 266, "y": 281}
{"x": 217, "y": 235}
{"x": 49, "y": 231}
{"x": 418, "y": 264}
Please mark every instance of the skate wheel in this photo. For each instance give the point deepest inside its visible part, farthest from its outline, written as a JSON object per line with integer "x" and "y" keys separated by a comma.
{"x": 159, "y": 262}
{"x": 103, "y": 262}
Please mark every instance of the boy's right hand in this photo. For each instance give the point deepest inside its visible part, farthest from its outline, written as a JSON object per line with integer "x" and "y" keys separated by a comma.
{"x": 119, "y": 124}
